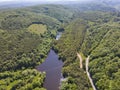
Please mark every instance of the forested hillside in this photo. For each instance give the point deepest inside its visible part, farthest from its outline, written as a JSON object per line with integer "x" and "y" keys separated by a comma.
{"x": 67, "y": 48}
{"x": 25, "y": 40}
{"x": 97, "y": 35}
{"x": 102, "y": 43}
{"x": 27, "y": 34}
{"x": 21, "y": 50}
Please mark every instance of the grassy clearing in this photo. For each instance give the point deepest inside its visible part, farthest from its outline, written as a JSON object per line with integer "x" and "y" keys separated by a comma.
{"x": 37, "y": 28}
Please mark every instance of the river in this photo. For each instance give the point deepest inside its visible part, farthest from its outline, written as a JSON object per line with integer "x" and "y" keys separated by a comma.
{"x": 52, "y": 66}
{"x": 58, "y": 35}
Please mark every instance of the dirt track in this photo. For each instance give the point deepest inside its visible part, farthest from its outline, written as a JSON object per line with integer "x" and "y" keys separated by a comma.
{"x": 80, "y": 58}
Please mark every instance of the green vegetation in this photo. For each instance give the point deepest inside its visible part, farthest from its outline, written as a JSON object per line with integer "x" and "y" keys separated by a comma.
{"x": 105, "y": 57}
{"x": 22, "y": 47}
{"x": 67, "y": 48}
{"x": 27, "y": 34}
{"x": 29, "y": 79}
{"x": 96, "y": 35}
{"x": 19, "y": 19}
{"x": 21, "y": 50}
{"x": 37, "y": 28}
{"x": 59, "y": 12}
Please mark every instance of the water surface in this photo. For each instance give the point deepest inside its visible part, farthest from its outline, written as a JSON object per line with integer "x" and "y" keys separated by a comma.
{"x": 59, "y": 34}
{"x": 52, "y": 66}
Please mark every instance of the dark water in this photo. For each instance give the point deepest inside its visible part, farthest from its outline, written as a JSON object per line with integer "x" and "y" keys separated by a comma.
{"x": 52, "y": 66}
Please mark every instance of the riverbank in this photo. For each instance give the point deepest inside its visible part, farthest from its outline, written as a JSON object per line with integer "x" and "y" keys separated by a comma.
{"x": 52, "y": 66}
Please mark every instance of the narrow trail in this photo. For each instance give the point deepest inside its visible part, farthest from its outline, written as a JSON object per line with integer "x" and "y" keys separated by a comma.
{"x": 80, "y": 58}
{"x": 88, "y": 74}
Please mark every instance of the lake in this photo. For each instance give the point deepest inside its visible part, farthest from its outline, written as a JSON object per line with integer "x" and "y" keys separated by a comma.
{"x": 52, "y": 66}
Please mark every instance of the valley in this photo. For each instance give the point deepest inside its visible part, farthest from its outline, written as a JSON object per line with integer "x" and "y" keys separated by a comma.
{"x": 60, "y": 46}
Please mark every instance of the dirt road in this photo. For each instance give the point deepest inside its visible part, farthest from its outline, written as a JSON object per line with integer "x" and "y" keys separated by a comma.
{"x": 88, "y": 74}
{"x": 80, "y": 58}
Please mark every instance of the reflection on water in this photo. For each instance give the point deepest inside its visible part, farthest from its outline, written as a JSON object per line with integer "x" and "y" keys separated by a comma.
{"x": 52, "y": 66}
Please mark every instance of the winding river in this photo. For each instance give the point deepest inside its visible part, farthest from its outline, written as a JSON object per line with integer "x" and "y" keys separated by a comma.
{"x": 52, "y": 66}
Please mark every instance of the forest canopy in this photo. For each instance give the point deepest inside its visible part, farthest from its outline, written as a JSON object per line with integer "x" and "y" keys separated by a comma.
{"x": 27, "y": 35}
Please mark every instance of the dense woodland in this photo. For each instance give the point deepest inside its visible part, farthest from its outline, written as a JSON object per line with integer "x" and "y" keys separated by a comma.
{"x": 97, "y": 34}
{"x": 71, "y": 40}
{"x": 27, "y": 35}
